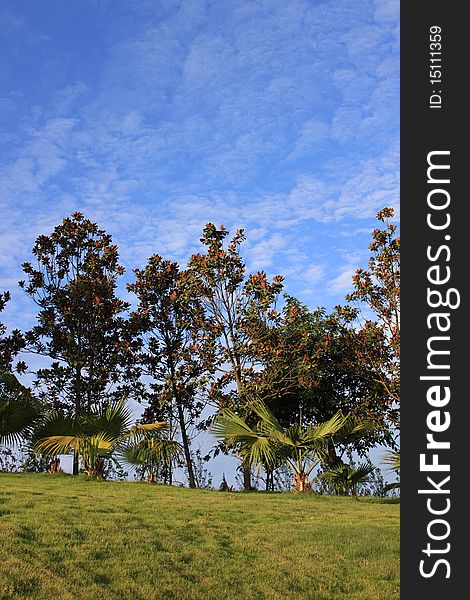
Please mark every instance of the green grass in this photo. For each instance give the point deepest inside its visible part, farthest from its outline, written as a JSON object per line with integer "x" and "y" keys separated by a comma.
{"x": 69, "y": 538}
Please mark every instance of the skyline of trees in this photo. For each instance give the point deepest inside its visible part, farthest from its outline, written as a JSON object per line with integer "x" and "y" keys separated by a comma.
{"x": 208, "y": 334}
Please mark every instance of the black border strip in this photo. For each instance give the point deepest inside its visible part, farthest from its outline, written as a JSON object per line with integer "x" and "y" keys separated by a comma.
{"x": 433, "y": 119}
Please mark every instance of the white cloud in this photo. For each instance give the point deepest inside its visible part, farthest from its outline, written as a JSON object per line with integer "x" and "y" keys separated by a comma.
{"x": 343, "y": 282}
{"x": 278, "y": 117}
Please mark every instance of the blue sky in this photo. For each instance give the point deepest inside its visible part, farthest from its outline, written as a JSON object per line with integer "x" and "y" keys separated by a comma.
{"x": 155, "y": 117}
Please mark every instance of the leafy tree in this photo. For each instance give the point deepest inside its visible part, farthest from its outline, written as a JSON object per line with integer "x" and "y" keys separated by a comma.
{"x": 176, "y": 345}
{"x": 234, "y": 305}
{"x": 10, "y": 345}
{"x": 202, "y": 474}
{"x": 80, "y": 325}
{"x": 95, "y": 436}
{"x": 310, "y": 371}
{"x": 5, "y": 359}
{"x": 269, "y": 443}
{"x": 379, "y": 289}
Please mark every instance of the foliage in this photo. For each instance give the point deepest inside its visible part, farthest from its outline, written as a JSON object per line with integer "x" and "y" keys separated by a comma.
{"x": 32, "y": 461}
{"x": 19, "y": 410}
{"x": 345, "y": 478}
{"x": 8, "y": 461}
{"x": 10, "y": 345}
{"x": 7, "y": 348}
{"x": 151, "y": 452}
{"x": 373, "y": 487}
{"x": 234, "y": 307}
{"x": 272, "y": 480}
{"x": 379, "y": 289}
{"x": 269, "y": 444}
{"x": 175, "y": 346}
{"x": 392, "y": 459}
{"x": 310, "y": 371}
{"x": 80, "y": 326}
{"x": 224, "y": 486}
{"x": 202, "y": 475}
{"x": 93, "y": 436}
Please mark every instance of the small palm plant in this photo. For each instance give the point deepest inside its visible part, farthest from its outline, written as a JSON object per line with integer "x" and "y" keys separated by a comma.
{"x": 345, "y": 479}
{"x": 150, "y": 452}
{"x": 94, "y": 436}
{"x": 269, "y": 444}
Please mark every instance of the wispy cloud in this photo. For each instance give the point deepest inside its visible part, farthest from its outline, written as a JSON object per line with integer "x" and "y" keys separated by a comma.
{"x": 278, "y": 117}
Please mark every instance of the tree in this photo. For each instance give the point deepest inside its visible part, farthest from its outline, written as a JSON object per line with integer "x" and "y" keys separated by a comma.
{"x": 379, "y": 289}
{"x": 310, "y": 372}
{"x": 95, "y": 436}
{"x": 80, "y": 327}
{"x": 5, "y": 355}
{"x": 175, "y": 349}
{"x": 234, "y": 305}
{"x": 268, "y": 443}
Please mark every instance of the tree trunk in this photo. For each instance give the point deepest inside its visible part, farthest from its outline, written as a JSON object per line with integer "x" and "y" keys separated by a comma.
{"x": 246, "y": 477}
{"x": 78, "y": 376}
{"x": 331, "y": 458}
{"x": 54, "y": 466}
{"x": 269, "y": 480}
{"x": 75, "y": 462}
{"x": 150, "y": 477}
{"x": 301, "y": 483}
{"x": 187, "y": 453}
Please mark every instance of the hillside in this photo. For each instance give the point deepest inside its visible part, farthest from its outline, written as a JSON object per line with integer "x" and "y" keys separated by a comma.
{"x": 67, "y": 538}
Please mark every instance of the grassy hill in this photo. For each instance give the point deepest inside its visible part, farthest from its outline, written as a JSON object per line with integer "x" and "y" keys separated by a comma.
{"x": 67, "y": 538}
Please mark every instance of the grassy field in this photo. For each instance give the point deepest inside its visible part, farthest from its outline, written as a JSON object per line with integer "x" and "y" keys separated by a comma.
{"x": 69, "y": 538}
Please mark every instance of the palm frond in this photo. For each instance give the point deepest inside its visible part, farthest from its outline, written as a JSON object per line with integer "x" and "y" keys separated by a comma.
{"x": 268, "y": 419}
{"x": 392, "y": 459}
{"x": 151, "y": 450}
{"x": 146, "y": 429}
{"x": 262, "y": 452}
{"x": 20, "y": 411}
{"x": 54, "y": 445}
{"x": 57, "y": 424}
{"x": 115, "y": 417}
{"x": 17, "y": 419}
{"x": 345, "y": 475}
{"x": 228, "y": 425}
{"x": 326, "y": 430}
{"x": 363, "y": 470}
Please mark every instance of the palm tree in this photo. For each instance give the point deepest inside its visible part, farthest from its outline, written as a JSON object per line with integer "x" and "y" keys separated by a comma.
{"x": 94, "y": 436}
{"x": 268, "y": 443}
{"x": 19, "y": 410}
{"x": 151, "y": 452}
{"x": 345, "y": 478}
